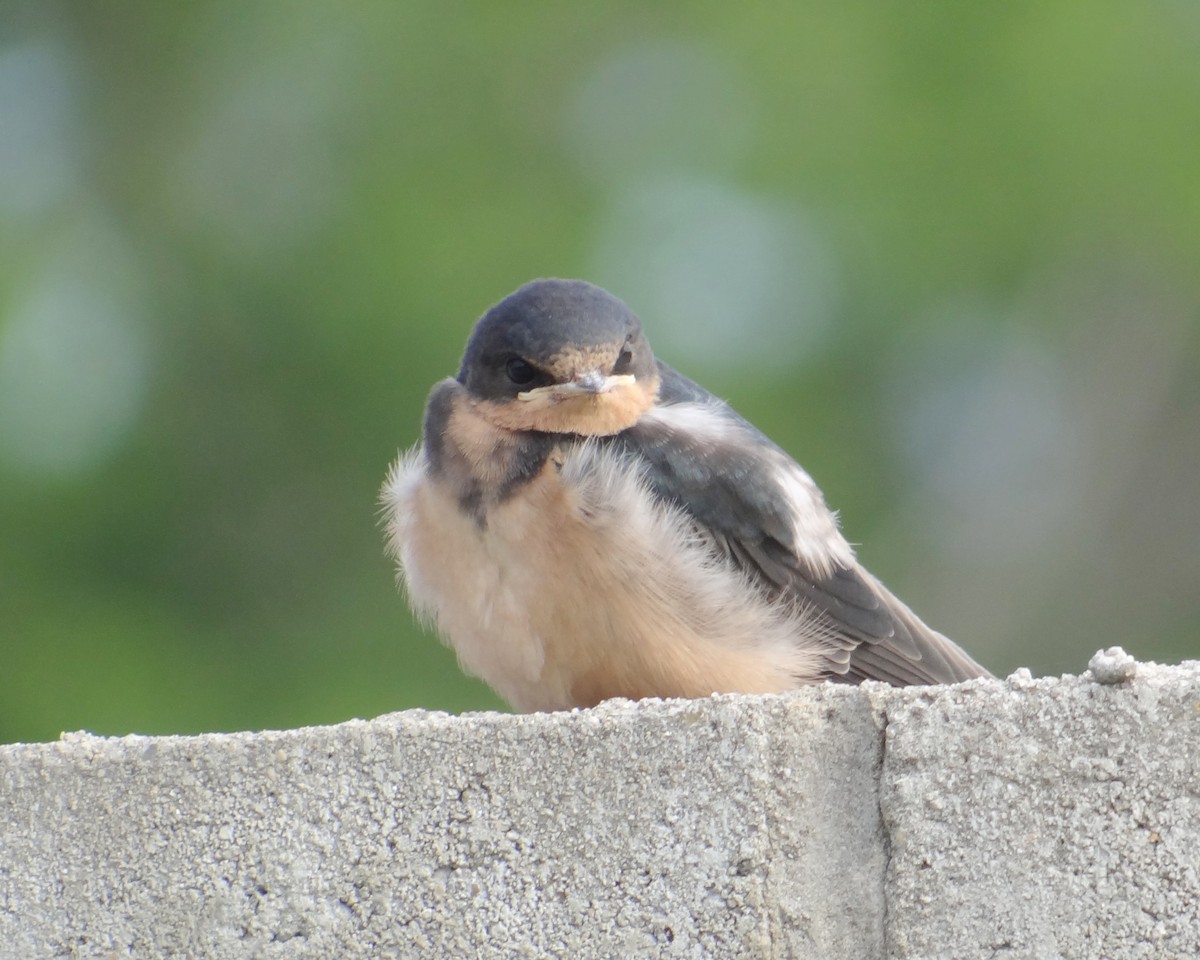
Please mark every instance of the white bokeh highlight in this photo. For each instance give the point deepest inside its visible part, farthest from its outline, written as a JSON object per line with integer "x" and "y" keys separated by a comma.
{"x": 658, "y": 106}
{"x": 39, "y": 141}
{"x": 722, "y": 275}
{"x": 257, "y": 168}
{"x": 75, "y": 362}
{"x": 988, "y": 430}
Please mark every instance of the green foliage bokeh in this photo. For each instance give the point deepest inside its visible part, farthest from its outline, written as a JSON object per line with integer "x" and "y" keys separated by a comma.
{"x": 305, "y": 206}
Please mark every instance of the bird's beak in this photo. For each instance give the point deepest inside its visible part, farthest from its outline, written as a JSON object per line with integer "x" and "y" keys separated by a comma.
{"x": 589, "y": 384}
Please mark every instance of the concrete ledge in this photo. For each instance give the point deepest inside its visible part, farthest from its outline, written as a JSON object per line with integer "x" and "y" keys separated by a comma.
{"x": 1018, "y": 819}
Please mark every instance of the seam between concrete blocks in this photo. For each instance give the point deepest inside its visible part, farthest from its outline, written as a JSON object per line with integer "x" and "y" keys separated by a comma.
{"x": 771, "y": 919}
{"x": 885, "y": 832}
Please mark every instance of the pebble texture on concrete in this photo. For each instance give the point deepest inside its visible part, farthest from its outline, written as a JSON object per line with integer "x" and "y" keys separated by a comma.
{"x": 1048, "y": 818}
{"x": 992, "y": 819}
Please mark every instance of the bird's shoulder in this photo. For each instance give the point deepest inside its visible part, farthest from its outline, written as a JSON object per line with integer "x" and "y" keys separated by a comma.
{"x": 697, "y": 453}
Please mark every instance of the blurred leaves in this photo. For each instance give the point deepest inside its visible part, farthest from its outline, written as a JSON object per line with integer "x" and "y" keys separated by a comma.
{"x": 239, "y": 242}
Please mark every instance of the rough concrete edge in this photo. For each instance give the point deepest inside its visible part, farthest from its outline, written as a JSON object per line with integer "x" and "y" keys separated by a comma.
{"x": 1109, "y": 667}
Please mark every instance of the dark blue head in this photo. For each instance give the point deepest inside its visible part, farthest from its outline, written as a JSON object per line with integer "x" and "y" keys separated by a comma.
{"x": 553, "y": 332}
{"x": 560, "y": 356}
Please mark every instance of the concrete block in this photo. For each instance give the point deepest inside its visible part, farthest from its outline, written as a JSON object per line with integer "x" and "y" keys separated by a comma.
{"x": 1023, "y": 819}
{"x": 1047, "y": 818}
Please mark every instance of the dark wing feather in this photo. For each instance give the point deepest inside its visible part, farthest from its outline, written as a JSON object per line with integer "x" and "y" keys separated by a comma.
{"x": 735, "y": 501}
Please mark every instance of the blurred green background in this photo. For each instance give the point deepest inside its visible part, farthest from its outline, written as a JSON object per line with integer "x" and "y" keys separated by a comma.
{"x": 948, "y": 255}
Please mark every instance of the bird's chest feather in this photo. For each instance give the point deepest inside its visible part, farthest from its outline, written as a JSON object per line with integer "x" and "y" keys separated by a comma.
{"x": 506, "y": 582}
{"x": 579, "y": 586}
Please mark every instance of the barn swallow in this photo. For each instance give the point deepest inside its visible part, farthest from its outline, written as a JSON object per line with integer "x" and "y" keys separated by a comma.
{"x": 583, "y": 522}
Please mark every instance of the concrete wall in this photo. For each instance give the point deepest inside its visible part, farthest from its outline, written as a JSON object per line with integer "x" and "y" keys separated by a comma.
{"x": 994, "y": 819}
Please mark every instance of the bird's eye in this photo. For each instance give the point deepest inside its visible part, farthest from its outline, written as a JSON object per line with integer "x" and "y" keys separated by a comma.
{"x": 519, "y": 371}
{"x": 624, "y": 359}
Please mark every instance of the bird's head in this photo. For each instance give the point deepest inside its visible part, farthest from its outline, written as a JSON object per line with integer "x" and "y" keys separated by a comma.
{"x": 560, "y": 356}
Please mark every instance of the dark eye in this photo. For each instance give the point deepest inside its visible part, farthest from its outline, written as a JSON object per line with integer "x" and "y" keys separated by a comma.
{"x": 623, "y": 360}
{"x": 519, "y": 372}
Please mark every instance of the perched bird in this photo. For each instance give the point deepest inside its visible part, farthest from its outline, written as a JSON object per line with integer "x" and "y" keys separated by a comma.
{"x": 583, "y": 522}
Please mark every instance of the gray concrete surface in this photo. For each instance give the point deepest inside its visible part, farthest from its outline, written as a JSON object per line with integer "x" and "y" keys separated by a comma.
{"x": 994, "y": 819}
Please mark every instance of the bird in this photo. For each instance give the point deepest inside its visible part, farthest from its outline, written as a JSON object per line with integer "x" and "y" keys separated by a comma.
{"x": 582, "y": 522}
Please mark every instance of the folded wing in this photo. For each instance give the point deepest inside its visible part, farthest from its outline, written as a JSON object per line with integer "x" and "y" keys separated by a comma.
{"x": 761, "y": 511}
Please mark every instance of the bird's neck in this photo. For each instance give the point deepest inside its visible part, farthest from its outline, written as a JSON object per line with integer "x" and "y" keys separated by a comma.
{"x": 480, "y": 462}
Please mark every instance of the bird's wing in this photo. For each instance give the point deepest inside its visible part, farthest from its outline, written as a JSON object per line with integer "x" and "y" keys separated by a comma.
{"x": 760, "y": 509}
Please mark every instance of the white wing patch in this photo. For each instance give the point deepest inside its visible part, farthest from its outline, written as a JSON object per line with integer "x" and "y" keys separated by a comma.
{"x": 818, "y": 541}
{"x": 704, "y": 424}
{"x": 709, "y": 427}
